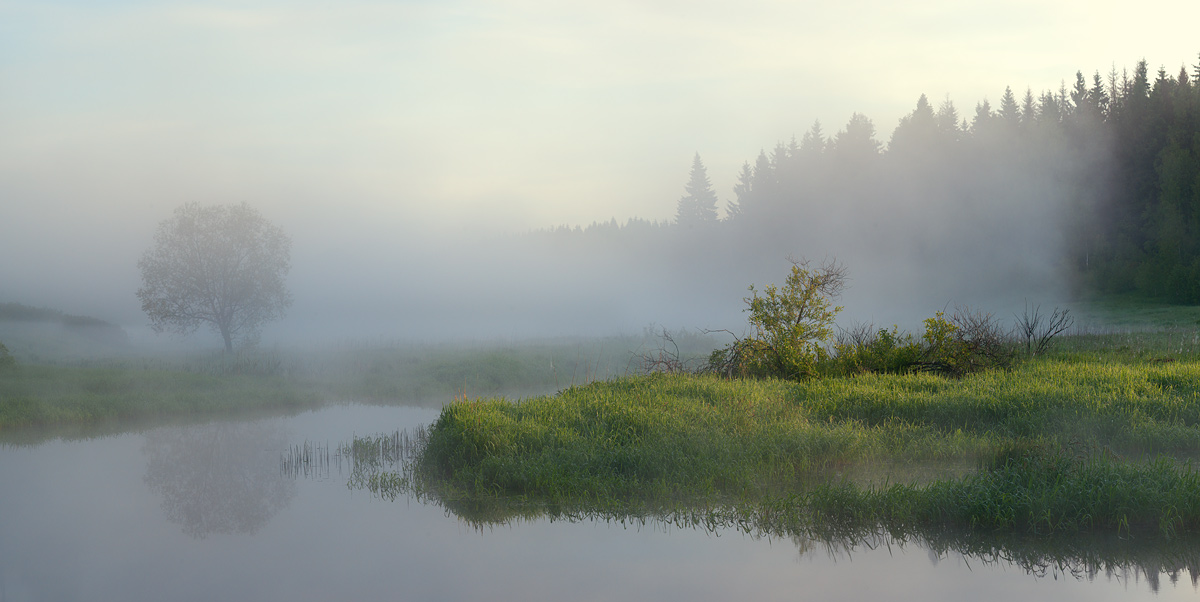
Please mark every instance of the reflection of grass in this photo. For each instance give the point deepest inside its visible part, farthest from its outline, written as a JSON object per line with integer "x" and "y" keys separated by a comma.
{"x": 654, "y": 441}
{"x": 383, "y": 463}
{"x": 1000, "y": 515}
{"x": 1034, "y": 491}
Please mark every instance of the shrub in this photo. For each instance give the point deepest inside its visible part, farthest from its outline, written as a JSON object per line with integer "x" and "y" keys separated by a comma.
{"x": 789, "y": 325}
{"x": 863, "y": 349}
{"x": 967, "y": 342}
{"x": 943, "y": 349}
{"x": 963, "y": 343}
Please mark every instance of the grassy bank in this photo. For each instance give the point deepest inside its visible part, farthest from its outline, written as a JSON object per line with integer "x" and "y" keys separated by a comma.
{"x": 69, "y": 391}
{"x": 49, "y": 395}
{"x": 1065, "y": 445}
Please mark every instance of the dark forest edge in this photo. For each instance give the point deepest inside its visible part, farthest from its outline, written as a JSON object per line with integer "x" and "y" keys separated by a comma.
{"x": 1113, "y": 163}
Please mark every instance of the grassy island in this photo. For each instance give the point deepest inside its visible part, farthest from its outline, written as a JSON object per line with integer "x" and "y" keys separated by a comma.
{"x": 1081, "y": 441}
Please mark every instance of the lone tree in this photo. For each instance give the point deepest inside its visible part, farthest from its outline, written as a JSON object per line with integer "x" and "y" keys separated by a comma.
{"x": 220, "y": 265}
{"x": 789, "y": 325}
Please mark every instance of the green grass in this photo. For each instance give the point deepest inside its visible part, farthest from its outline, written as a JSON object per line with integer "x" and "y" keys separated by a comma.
{"x": 683, "y": 432}
{"x": 1123, "y": 312}
{"x": 1037, "y": 492}
{"x": 65, "y": 390}
{"x": 50, "y": 395}
{"x": 664, "y": 440}
{"x": 662, "y": 436}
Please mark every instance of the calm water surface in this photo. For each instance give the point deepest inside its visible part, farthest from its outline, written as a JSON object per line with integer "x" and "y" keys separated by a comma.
{"x": 204, "y": 512}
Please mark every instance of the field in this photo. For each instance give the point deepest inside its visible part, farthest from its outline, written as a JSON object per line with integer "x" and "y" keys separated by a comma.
{"x": 51, "y": 386}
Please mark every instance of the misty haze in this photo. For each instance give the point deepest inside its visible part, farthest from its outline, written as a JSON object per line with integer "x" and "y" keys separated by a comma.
{"x": 632, "y": 300}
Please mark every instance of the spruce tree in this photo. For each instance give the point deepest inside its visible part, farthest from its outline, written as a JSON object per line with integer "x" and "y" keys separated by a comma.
{"x": 1098, "y": 95}
{"x": 763, "y": 182}
{"x": 1028, "y": 109}
{"x": 917, "y": 130}
{"x": 947, "y": 120}
{"x": 813, "y": 143}
{"x": 1048, "y": 111}
{"x": 1009, "y": 111}
{"x": 699, "y": 205}
{"x": 1080, "y": 95}
{"x": 857, "y": 141}
{"x": 742, "y": 193}
{"x": 981, "y": 123}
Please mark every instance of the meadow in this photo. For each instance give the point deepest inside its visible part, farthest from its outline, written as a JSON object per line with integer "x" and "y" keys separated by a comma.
{"x": 1096, "y": 435}
{"x": 50, "y": 385}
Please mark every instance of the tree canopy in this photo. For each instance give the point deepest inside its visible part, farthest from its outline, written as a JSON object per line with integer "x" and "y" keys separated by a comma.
{"x": 223, "y": 266}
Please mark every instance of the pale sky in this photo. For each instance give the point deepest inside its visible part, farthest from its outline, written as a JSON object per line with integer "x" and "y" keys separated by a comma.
{"x": 509, "y": 114}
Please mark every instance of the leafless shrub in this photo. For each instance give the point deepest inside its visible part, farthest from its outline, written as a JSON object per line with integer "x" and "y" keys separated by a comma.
{"x": 984, "y": 336}
{"x": 1038, "y": 329}
{"x": 666, "y": 358}
{"x": 859, "y": 335}
{"x": 728, "y": 361}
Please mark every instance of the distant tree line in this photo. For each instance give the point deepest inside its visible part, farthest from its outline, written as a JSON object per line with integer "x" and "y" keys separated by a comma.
{"x": 1118, "y": 155}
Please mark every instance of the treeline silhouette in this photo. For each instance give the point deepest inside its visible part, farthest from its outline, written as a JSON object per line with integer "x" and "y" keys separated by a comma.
{"x": 1097, "y": 182}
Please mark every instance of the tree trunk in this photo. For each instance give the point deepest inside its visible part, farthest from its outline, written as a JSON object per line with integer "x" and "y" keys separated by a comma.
{"x": 228, "y": 339}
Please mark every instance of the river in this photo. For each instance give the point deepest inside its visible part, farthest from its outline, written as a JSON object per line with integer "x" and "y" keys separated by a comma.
{"x": 207, "y": 512}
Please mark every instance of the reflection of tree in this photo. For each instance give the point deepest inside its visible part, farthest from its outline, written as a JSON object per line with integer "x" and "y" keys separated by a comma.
{"x": 218, "y": 478}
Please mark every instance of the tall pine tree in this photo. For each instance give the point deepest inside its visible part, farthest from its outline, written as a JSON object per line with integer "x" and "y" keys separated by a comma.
{"x": 699, "y": 205}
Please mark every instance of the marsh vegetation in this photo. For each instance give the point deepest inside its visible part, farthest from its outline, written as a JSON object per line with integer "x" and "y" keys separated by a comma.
{"x": 1007, "y": 432}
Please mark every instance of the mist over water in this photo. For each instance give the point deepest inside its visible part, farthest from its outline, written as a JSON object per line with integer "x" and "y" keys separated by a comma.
{"x": 989, "y": 231}
{"x": 915, "y": 240}
{"x": 421, "y": 159}
{"x": 460, "y": 175}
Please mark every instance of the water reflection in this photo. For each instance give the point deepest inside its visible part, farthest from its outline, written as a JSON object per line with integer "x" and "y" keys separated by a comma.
{"x": 1087, "y": 557}
{"x": 1082, "y": 557}
{"x": 218, "y": 478}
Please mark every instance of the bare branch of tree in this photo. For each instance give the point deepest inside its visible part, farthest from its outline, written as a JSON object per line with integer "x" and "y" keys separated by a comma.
{"x": 666, "y": 358}
{"x": 1038, "y": 329}
{"x": 858, "y": 335}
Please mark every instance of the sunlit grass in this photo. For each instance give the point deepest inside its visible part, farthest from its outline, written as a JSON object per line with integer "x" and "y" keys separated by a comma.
{"x": 667, "y": 439}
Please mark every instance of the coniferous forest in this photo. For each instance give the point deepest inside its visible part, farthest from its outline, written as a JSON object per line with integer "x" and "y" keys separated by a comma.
{"x": 1100, "y": 180}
